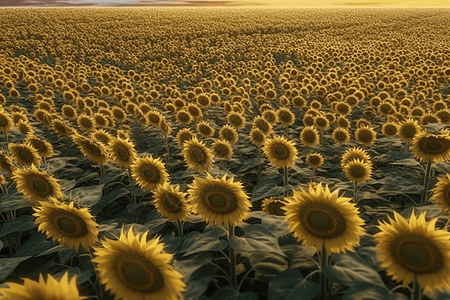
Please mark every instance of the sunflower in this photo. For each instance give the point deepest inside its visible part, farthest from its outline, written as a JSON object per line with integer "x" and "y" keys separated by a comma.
{"x": 154, "y": 117}
{"x": 6, "y": 123}
{"x": 183, "y": 117}
{"x": 61, "y": 128}
{"x": 309, "y": 136}
{"x": 342, "y": 108}
{"x": 72, "y": 227}
{"x": 134, "y": 268}
{"x": 389, "y": 129}
{"x": 165, "y": 127}
{"x": 219, "y": 200}
{"x": 270, "y": 116}
{"x": 314, "y": 160}
{"x": 6, "y": 164}
{"x": 408, "y": 129}
{"x": 205, "y": 130}
{"x": 86, "y": 123}
{"x": 263, "y": 125}
{"x": 229, "y": 134}
{"x": 184, "y": 135}
{"x": 24, "y": 154}
{"x": 91, "y": 149}
{"x": 236, "y": 120}
{"x": 197, "y": 156}
{"x": 100, "y": 120}
{"x": 24, "y": 128}
{"x": 365, "y": 135}
{"x": 285, "y": 116}
{"x": 49, "y": 289}
{"x": 222, "y": 149}
{"x": 341, "y": 136}
{"x": 69, "y": 112}
{"x": 43, "y": 147}
{"x": 203, "y": 100}
{"x": 101, "y": 136}
{"x": 257, "y": 137}
{"x": 194, "y": 111}
{"x": 149, "y": 172}
{"x": 430, "y": 146}
{"x": 441, "y": 193}
{"x": 322, "y": 219}
{"x": 171, "y": 203}
{"x": 118, "y": 114}
{"x": 321, "y": 123}
{"x": 273, "y": 207}
{"x": 343, "y": 122}
{"x": 355, "y": 153}
{"x": 357, "y": 170}
{"x": 36, "y": 185}
{"x": 122, "y": 152}
{"x": 280, "y": 152}
{"x": 415, "y": 249}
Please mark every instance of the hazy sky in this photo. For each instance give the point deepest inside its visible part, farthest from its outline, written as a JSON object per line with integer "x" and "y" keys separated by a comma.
{"x": 356, "y": 3}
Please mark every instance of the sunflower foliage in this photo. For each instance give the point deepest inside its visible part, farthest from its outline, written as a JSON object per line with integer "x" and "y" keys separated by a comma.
{"x": 195, "y": 162}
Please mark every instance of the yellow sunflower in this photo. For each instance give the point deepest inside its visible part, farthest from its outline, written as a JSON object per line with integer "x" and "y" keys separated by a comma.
{"x": 91, "y": 149}
{"x": 389, "y": 129}
{"x": 270, "y": 116}
{"x": 23, "y": 127}
{"x": 122, "y": 152}
{"x": 154, "y": 117}
{"x": 219, "y": 200}
{"x": 341, "y": 136}
{"x": 101, "y": 136}
{"x": 36, "y": 185}
{"x": 197, "y": 156}
{"x": 236, "y": 120}
{"x": 321, "y": 123}
{"x": 285, "y": 116}
{"x": 321, "y": 218}
{"x": 314, "y": 160}
{"x": 149, "y": 172}
{"x": 118, "y": 114}
{"x": 86, "y": 123}
{"x": 184, "y": 135}
{"x": 431, "y": 146}
{"x": 183, "y": 117}
{"x": 343, "y": 122}
{"x": 222, "y": 149}
{"x": 171, "y": 203}
{"x": 357, "y": 170}
{"x": 229, "y": 134}
{"x": 280, "y": 152}
{"x": 415, "y": 249}
{"x": 408, "y": 129}
{"x": 205, "y": 130}
{"x": 70, "y": 226}
{"x": 273, "y": 207}
{"x": 365, "y": 135}
{"x": 24, "y": 154}
{"x": 43, "y": 147}
{"x": 6, "y": 164}
{"x": 49, "y": 289}
{"x": 441, "y": 193}
{"x": 309, "y": 136}
{"x": 6, "y": 123}
{"x": 257, "y": 137}
{"x": 355, "y": 153}
{"x": 69, "y": 112}
{"x": 134, "y": 268}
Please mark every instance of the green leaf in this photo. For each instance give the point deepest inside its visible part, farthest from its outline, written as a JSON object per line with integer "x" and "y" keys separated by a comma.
{"x": 349, "y": 269}
{"x": 265, "y": 188}
{"x": 189, "y": 266}
{"x": 107, "y": 199}
{"x": 199, "y": 281}
{"x": 409, "y": 162}
{"x": 197, "y": 242}
{"x": 229, "y": 293}
{"x": 155, "y": 222}
{"x": 87, "y": 196}
{"x": 400, "y": 296}
{"x": 277, "y": 225}
{"x": 257, "y": 238}
{"x": 288, "y": 285}
{"x": 37, "y": 243}
{"x": 111, "y": 176}
{"x": 22, "y": 223}
{"x": 13, "y": 201}
{"x": 267, "y": 264}
{"x": 298, "y": 256}
{"x": 366, "y": 291}
{"x": 74, "y": 271}
{"x": 8, "y": 265}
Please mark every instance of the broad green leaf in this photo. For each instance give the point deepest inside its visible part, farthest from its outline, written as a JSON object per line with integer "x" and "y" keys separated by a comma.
{"x": 277, "y": 225}
{"x": 229, "y": 293}
{"x": 107, "y": 199}
{"x": 8, "y": 265}
{"x": 37, "y": 243}
{"x": 197, "y": 242}
{"x": 366, "y": 291}
{"x": 13, "y": 201}
{"x": 189, "y": 266}
{"x": 265, "y": 188}
{"x": 349, "y": 269}
{"x": 267, "y": 264}
{"x": 298, "y": 256}
{"x": 289, "y": 285}
{"x": 87, "y": 196}
{"x": 199, "y": 281}
{"x": 22, "y": 223}
{"x": 74, "y": 271}
{"x": 111, "y": 176}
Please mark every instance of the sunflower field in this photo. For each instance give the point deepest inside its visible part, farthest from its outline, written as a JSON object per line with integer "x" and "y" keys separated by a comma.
{"x": 224, "y": 153}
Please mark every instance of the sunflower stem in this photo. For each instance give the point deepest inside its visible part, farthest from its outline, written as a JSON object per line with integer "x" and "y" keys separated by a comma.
{"x": 259, "y": 163}
{"x": 425, "y": 181}
{"x": 97, "y": 284}
{"x": 102, "y": 171}
{"x": 323, "y": 278}
{"x": 417, "y": 293}
{"x": 286, "y": 180}
{"x": 232, "y": 259}
{"x": 286, "y": 131}
{"x": 355, "y": 193}
{"x": 166, "y": 142}
{"x": 133, "y": 197}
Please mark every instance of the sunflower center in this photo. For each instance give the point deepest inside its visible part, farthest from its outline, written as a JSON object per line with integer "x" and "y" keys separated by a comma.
{"x": 281, "y": 152}
{"x": 262, "y": 126}
{"x": 154, "y": 119}
{"x": 86, "y": 123}
{"x": 310, "y": 137}
{"x": 314, "y": 160}
{"x": 322, "y": 220}
{"x": 183, "y": 117}
{"x": 221, "y": 150}
{"x": 357, "y": 171}
{"x": 173, "y": 204}
{"x": 139, "y": 274}
{"x": 199, "y": 156}
{"x": 365, "y": 136}
{"x": 205, "y": 130}
{"x": 122, "y": 153}
{"x": 93, "y": 149}
{"x": 409, "y": 131}
{"x": 277, "y": 210}
{"x": 67, "y": 225}
{"x": 434, "y": 145}
{"x": 71, "y": 225}
{"x": 285, "y": 117}
{"x": 220, "y": 200}
{"x": 321, "y": 122}
{"x": 150, "y": 173}
{"x": 417, "y": 254}
{"x": 3, "y": 121}
{"x": 340, "y": 136}
{"x": 40, "y": 186}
